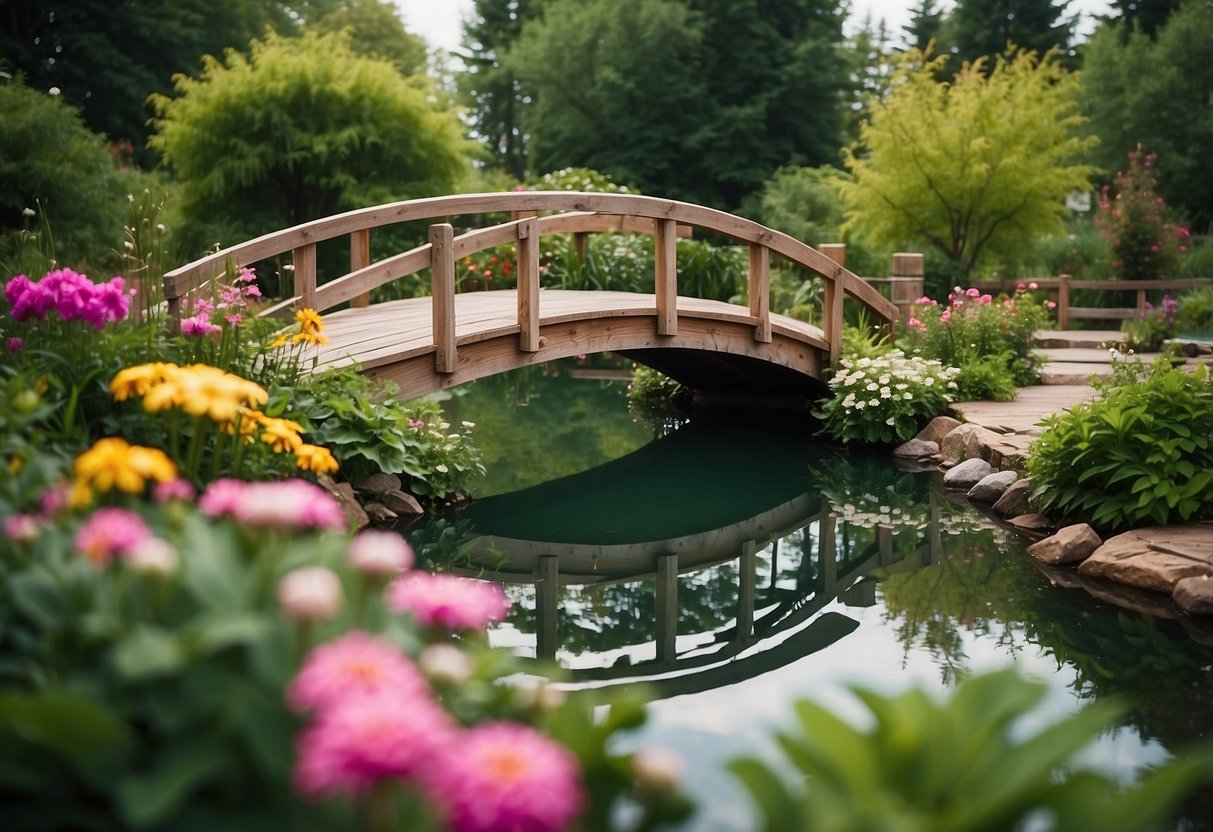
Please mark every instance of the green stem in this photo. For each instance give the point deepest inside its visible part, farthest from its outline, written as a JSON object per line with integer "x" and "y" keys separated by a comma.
{"x": 194, "y": 455}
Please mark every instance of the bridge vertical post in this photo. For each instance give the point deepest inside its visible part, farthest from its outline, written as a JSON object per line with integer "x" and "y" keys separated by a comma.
{"x": 748, "y": 573}
{"x": 528, "y": 285}
{"x": 442, "y": 280}
{"x": 834, "y": 293}
{"x": 360, "y": 258}
{"x": 827, "y": 554}
{"x": 760, "y": 291}
{"x": 547, "y": 584}
{"x": 665, "y": 243}
{"x": 667, "y": 608}
{"x": 305, "y": 275}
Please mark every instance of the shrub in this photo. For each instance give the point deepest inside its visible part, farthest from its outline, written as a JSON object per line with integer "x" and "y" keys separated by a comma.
{"x": 961, "y": 766}
{"x": 1195, "y": 314}
{"x": 651, "y": 390}
{"x": 1141, "y": 454}
{"x": 1145, "y": 243}
{"x": 993, "y": 336}
{"x": 1147, "y": 333}
{"x": 881, "y": 400}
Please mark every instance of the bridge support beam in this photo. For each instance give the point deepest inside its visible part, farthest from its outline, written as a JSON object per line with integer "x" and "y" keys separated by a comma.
{"x": 665, "y": 244}
{"x": 442, "y": 278}
{"x": 759, "y": 291}
{"x": 667, "y": 608}
{"x": 528, "y": 285}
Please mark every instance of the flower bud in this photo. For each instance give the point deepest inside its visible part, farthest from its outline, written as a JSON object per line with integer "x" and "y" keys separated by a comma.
{"x": 445, "y": 664}
{"x": 312, "y": 593}
{"x": 155, "y": 557}
{"x": 657, "y": 770}
{"x": 379, "y": 554}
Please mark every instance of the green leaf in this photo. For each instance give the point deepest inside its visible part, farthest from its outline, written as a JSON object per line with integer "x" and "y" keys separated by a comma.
{"x": 153, "y": 797}
{"x": 148, "y": 652}
{"x": 86, "y": 735}
{"x": 779, "y": 810}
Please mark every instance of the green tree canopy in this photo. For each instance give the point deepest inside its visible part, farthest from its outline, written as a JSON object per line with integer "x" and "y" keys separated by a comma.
{"x": 970, "y": 168}
{"x": 300, "y": 129}
{"x": 376, "y": 30}
{"x": 696, "y": 99}
{"x": 53, "y": 170}
{"x": 982, "y": 28}
{"x": 1156, "y": 93}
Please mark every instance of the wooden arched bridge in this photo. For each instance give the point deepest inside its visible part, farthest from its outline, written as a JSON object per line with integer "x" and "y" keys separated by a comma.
{"x": 430, "y": 343}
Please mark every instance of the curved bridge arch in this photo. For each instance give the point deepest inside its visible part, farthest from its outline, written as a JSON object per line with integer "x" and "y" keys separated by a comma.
{"x": 425, "y": 344}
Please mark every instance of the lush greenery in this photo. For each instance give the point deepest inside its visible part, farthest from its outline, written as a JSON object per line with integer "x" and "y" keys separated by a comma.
{"x": 896, "y": 774}
{"x": 1142, "y": 454}
{"x": 1142, "y": 238}
{"x": 298, "y": 129}
{"x": 988, "y": 339}
{"x": 884, "y": 399}
{"x": 950, "y": 166}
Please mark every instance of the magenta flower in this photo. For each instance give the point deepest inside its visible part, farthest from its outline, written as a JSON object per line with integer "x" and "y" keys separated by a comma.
{"x": 14, "y": 345}
{"x": 506, "y": 777}
{"x": 109, "y": 532}
{"x": 438, "y": 600}
{"x": 286, "y": 504}
{"x": 174, "y": 489}
{"x": 356, "y": 664}
{"x": 380, "y": 554}
{"x": 362, "y": 739}
{"x": 16, "y": 287}
{"x": 197, "y": 326}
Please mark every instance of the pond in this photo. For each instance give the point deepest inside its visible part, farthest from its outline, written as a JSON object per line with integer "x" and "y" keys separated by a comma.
{"x": 735, "y": 563}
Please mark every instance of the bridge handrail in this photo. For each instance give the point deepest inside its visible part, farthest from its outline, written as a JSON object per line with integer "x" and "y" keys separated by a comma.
{"x": 443, "y": 249}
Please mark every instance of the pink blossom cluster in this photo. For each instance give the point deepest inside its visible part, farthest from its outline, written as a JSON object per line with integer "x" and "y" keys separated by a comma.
{"x": 448, "y": 601}
{"x": 286, "y": 504}
{"x": 71, "y": 295}
{"x": 111, "y": 533}
{"x": 232, "y": 304}
{"x": 375, "y": 720}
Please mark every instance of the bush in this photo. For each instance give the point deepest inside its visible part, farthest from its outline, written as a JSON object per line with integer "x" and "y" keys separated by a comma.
{"x": 1147, "y": 333}
{"x": 1141, "y": 454}
{"x": 57, "y": 175}
{"x": 878, "y": 401}
{"x": 1195, "y": 314}
{"x": 964, "y": 765}
{"x": 1144, "y": 242}
{"x": 984, "y": 337}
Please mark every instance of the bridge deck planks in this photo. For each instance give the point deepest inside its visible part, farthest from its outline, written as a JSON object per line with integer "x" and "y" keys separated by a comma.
{"x": 385, "y": 333}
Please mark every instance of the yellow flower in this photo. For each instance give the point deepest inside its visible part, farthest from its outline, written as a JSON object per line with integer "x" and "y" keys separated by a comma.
{"x": 281, "y": 434}
{"x": 315, "y": 458}
{"x": 112, "y": 463}
{"x": 309, "y": 321}
{"x": 202, "y": 390}
{"x": 138, "y": 380}
{"x": 14, "y": 465}
{"x": 312, "y": 339}
{"x": 278, "y": 342}
{"x": 80, "y": 495}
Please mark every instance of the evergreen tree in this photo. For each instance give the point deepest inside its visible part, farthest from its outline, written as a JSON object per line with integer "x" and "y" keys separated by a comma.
{"x": 926, "y": 23}
{"x": 492, "y": 89}
{"x": 978, "y": 28}
{"x": 1146, "y": 15}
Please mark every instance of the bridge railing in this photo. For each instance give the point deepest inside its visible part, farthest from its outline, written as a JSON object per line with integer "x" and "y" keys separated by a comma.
{"x": 579, "y": 213}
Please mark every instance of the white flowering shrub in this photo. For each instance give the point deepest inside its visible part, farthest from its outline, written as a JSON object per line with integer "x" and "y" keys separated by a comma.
{"x": 881, "y": 400}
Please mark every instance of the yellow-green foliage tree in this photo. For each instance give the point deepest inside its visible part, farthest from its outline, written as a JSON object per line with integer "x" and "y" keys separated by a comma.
{"x": 970, "y": 168}
{"x": 298, "y": 129}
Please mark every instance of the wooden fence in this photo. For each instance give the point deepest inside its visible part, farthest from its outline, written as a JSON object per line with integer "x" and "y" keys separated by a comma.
{"x": 1061, "y": 288}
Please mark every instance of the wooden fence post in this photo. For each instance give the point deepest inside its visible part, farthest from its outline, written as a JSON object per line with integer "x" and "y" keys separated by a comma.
{"x": 528, "y": 285}
{"x": 906, "y": 275}
{"x": 360, "y": 258}
{"x": 305, "y": 275}
{"x": 442, "y": 282}
{"x": 1063, "y": 301}
{"x": 833, "y": 296}
{"x": 665, "y": 244}
{"x": 760, "y": 291}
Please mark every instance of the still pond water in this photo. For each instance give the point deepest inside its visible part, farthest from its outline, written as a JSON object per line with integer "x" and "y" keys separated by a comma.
{"x": 735, "y": 564}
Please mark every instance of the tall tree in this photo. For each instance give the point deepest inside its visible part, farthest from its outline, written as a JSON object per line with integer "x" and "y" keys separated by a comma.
{"x": 925, "y": 24}
{"x": 699, "y": 99}
{"x": 376, "y": 30}
{"x": 106, "y": 57}
{"x": 1146, "y": 15}
{"x": 969, "y": 168}
{"x": 299, "y": 129}
{"x": 977, "y": 28}
{"x": 1158, "y": 93}
{"x": 491, "y": 87}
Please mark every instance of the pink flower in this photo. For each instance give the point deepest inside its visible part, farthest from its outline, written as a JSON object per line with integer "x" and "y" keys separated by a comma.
{"x": 21, "y": 528}
{"x": 914, "y": 323}
{"x": 155, "y": 557}
{"x": 197, "y": 326}
{"x": 14, "y": 345}
{"x": 310, "y": 594}
{"x": 234, "y": 320}
{"x": 946, "y": 316}
{"x": 1019, "y": 287}
{"x": 16, "y": 287}
{"x": 971, "y": 292}
{"x": 356, "y": 664}
{"x": 924, "y": 300}
{"x": 109, "y": 532}
{"x": 984, "y": 299}
{"x": 174, "y": 489}
{"x": 53, "y": 500}
{"x": 447, "y": 601}
{"x": 1050, "y": 305}
{"x": 359, "y": 740}
{"x": 380, "y": 554}
{"x": 1033, "y": 285}
{"x": 284, "y": 504}
{"x": 246, "y": 275}
{"x": 506, "y": 776}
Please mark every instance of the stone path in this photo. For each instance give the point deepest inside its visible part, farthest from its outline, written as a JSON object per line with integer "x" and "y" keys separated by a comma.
{"x": 1163, "y": 571}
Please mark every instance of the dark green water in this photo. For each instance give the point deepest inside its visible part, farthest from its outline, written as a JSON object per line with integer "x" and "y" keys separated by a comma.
{"x": 736, "y": 564}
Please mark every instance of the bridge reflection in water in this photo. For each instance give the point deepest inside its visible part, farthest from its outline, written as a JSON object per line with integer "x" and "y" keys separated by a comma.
{"x": 711, "y": 495}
